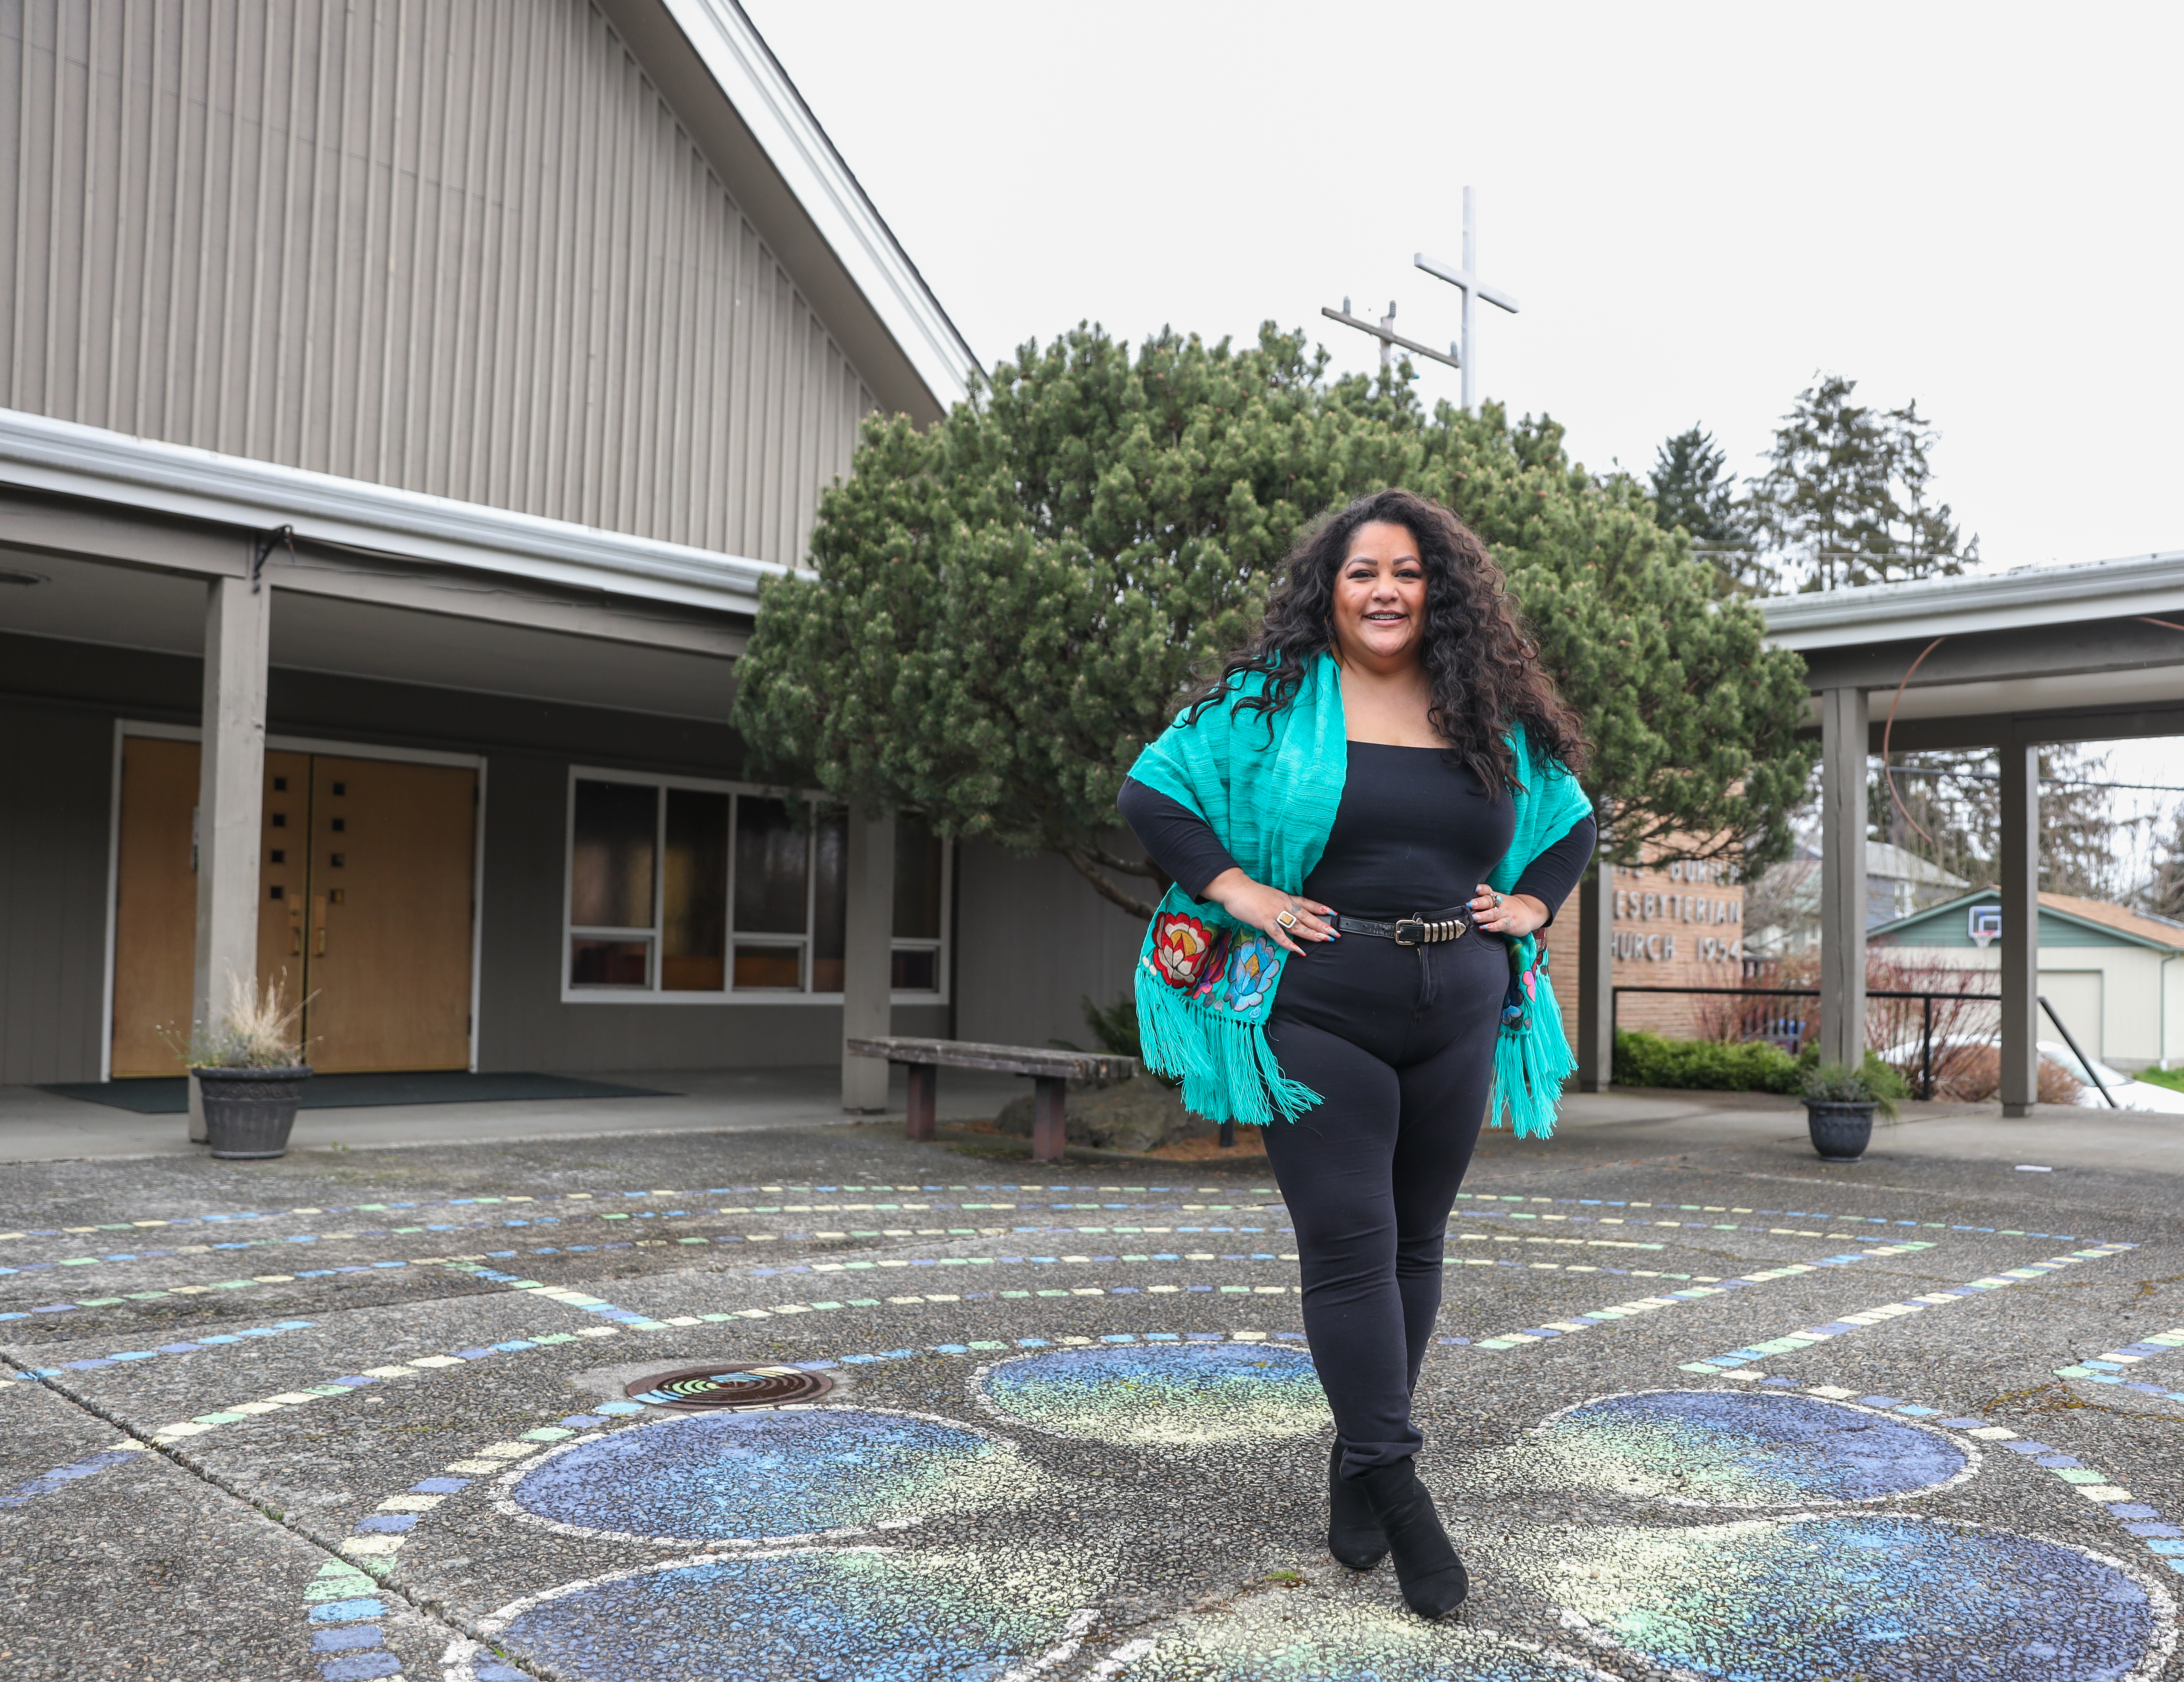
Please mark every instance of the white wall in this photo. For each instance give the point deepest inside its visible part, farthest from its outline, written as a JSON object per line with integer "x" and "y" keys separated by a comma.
{"x": 2111, "y": 996}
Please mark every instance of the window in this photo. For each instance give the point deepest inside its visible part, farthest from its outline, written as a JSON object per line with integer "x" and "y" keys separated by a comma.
{"x": 689, "y": 891}
{"x": 919, "y": 885}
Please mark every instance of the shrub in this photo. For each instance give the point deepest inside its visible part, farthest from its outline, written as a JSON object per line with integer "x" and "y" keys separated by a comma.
{"x": 1874, "y": 1083}
{"x": 253, "y": 1033}
{"x": 1973, "y": 1075}
{"x": 1702, "y": 1065}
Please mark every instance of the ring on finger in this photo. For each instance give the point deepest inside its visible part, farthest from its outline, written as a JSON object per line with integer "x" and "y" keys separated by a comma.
{"x": 1287, "y": 919}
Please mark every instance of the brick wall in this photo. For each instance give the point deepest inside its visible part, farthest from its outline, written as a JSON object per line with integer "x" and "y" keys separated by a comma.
{"x": 1677, "y": 925}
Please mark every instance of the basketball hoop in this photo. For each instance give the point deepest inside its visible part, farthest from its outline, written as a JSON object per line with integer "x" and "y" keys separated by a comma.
{"x": 1984, "y": 925}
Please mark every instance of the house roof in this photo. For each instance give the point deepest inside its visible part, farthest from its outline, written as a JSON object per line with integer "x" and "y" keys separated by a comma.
{"x": 2154, "y": 931}
{"x": 1885, "y": 858}
{"x": 2102, "y": 917}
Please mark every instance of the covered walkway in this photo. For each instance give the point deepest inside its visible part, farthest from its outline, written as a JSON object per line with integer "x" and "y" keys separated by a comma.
{"x": 2010, "y": 662}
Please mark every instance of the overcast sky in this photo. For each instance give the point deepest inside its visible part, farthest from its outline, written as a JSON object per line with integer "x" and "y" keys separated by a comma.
{"x": 1697, "y": 206}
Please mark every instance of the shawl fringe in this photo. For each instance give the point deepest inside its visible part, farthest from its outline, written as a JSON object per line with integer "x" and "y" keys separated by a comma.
{"x": 1227, "y": 1070}
{"x": 1530, "y": 1064}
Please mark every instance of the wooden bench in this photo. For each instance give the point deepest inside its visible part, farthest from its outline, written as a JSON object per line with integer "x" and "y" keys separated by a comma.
{"x": 1051, "y": 1072}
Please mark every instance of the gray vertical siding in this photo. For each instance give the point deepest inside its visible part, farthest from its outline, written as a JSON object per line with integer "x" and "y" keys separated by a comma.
{"x": 457, "y": 246}
{"x": 1064, "y": 944}
{"x": 56, "y": 768}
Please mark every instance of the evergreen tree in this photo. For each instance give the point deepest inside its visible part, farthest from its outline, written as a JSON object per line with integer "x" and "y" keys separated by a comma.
{"x": 1846, "y": 496}
{"x": 1693, "y": 488}
{"x": 2164, "y": 892}
{"x": 1009, "y": 605}
{"x": 1955, "y": 798}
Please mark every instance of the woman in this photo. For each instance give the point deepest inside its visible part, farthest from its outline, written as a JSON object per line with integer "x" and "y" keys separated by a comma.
{"x": 1367, "y": 817}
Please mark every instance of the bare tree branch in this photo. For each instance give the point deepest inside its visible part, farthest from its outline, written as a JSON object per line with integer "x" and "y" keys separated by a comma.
{"x": 1145, "y": 868}
{"x": 1106, "y": 889}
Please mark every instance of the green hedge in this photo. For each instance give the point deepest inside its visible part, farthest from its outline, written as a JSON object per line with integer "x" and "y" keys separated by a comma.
{"x": 1706, "y": 1065}
{"x": 1710, "y": 1065}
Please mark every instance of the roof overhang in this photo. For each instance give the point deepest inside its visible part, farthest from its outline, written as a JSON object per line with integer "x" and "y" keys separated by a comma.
{"x": 2047, "y": 654}
{"x": 1926, "y": 608}
{"x": 60, "y": 458}
{"x": 724, "y": 83}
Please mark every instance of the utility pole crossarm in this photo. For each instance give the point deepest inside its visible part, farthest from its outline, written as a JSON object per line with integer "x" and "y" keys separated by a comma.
{"x": 1388, "y": 336}
{"x": 1466, "y": 280}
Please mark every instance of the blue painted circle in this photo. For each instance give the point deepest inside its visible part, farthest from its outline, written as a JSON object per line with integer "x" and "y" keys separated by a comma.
{"x": 1723, "y": 1448}
{"x": 1880, "y": 1597}
{"x": 1345, "y": 1641}
{"x": 720, "y": 1475}
{"x": 1170, "y": 1395}
{"x": 823, "y": 1616}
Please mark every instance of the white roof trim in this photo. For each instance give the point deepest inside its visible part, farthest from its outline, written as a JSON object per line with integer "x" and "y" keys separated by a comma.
{"x": 763, "y": 95}
{"x": 42, "y": 454}
{"x": 2001, "y": 601}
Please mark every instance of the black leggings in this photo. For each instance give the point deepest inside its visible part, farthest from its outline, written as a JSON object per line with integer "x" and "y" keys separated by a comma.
{"x": 1399, "y": 1043}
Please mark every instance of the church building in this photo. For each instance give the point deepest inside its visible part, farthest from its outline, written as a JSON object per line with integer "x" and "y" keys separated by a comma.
{"x": 400, "y": 409}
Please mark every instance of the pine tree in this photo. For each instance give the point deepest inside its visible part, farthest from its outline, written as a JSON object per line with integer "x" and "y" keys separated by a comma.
{"x": 1947, "y": 811}
{"x": 1007, "y": 605}
{"x": 1693, "y": 488}
{"x": 2164, "y": 892}
{"x": 1845, "y": 500}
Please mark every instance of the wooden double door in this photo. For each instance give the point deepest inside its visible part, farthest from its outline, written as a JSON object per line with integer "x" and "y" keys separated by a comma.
{"x": 364, "y": 906}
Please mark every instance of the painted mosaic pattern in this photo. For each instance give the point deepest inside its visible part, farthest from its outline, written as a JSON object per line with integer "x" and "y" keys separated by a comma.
{"x": 1299, "y": 1636}
{"x": 855, "y": 1615}
{"x": 1712, "y": 1448}
{"x": 1163, "y": 1396}
{"x": 735, "y": 1475}
{"x": 1880, "y": 1598}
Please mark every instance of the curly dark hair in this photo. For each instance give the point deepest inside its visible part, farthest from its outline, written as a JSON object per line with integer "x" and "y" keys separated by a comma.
{"x": 1483, "y": 664}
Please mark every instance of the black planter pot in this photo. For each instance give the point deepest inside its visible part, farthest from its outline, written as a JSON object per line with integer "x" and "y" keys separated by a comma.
{"x": 247, "y": 1112}
{"x": 1840, "y": 1132}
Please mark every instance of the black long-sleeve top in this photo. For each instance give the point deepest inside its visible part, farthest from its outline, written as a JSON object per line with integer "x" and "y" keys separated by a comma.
{"x": 1415, "y": 832}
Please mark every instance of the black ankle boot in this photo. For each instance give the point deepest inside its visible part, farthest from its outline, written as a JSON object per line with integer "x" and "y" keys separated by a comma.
{"x": 1353, "y": 1533}
{"x": 1432, "y": 1578}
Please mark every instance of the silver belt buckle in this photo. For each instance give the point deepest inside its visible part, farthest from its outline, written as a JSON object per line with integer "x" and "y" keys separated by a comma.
{"x": 1414, "y": 927}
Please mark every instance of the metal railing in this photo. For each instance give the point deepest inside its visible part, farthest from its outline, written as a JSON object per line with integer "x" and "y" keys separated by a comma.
{"x": 1927, "y": 1022}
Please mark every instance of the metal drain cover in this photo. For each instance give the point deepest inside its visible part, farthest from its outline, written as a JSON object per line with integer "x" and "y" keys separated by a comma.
{"x": 714, "y": 1387}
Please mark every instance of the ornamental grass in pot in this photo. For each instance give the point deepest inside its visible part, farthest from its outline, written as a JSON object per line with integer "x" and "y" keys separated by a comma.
{"x": 250, "y": 1073}
{"x": 1840, "y": 1103}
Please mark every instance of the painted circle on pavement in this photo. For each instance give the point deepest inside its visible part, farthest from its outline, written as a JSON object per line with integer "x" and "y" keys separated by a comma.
{"x": 1881, "y": 1596}
{"x": 724, "y": 1476}
{"x": 1161, "y": 1396}
{"x": 1301, "y": 1636}
{"x": 1745, "y": 1449}
{"x": 815, "y": 1615}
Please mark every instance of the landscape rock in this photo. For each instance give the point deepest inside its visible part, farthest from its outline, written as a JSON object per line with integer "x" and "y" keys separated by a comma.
{"x": 1133, "y": 1115}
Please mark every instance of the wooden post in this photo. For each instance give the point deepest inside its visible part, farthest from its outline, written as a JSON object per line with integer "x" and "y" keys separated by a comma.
{"x": 1049, "y": 1124}
{"x": 1595, "y": 978}
{"x": 230, "y": 799}
{"x": 2020, "y": 928}
{"x": 868, "y": 959}
{"x": 1842, "y": 877}
{"x": 924, "y": 1088}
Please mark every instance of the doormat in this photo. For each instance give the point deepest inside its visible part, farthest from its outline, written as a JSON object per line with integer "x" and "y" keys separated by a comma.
{"x": 170, "y": 1096}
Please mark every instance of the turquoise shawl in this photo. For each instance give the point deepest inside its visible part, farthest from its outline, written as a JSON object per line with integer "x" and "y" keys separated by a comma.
{"x": 1206, "y": 983}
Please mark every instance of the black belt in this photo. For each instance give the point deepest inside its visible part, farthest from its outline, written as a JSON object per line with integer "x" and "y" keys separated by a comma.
{"x": 1448, "y": 925}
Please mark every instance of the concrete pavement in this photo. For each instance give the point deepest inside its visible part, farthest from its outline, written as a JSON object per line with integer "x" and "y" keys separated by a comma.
{"x": 1698, "y": 1406}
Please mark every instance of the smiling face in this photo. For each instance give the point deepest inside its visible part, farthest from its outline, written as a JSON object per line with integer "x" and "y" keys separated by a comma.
{"x": 1379, "y": 610}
